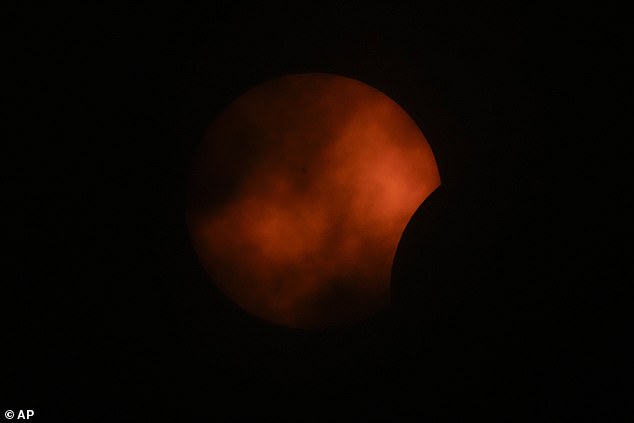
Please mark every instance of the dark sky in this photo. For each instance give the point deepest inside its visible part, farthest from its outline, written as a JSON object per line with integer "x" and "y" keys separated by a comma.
{"x": 507, "y": 287}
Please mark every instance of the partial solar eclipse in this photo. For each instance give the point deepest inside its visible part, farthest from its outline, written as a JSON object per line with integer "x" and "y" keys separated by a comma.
{"x": 298, "y": 196}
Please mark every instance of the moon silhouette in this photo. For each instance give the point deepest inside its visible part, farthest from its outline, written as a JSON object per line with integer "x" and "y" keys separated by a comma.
{"x": 299, "y": 193}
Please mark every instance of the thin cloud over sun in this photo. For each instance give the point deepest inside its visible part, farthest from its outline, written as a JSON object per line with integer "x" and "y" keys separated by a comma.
{"x": 299, "y": 194}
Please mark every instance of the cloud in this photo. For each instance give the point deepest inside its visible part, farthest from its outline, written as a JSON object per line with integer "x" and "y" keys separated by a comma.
{"x": 299, "y": 194}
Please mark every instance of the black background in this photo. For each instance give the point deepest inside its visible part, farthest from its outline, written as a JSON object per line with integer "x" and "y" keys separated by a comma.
{"x": 508, "y": 294}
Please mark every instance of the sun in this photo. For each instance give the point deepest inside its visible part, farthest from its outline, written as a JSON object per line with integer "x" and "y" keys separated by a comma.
{"x": 299, "y": 194}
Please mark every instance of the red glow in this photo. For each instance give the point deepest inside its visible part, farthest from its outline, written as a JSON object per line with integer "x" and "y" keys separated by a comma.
{"x": 299, "y": 195}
